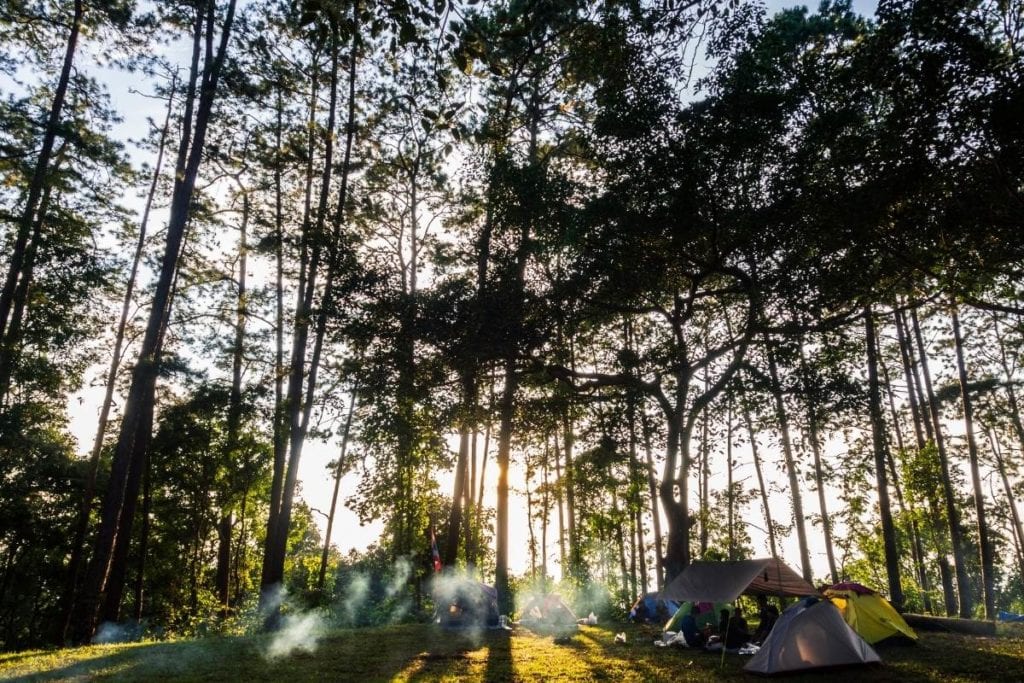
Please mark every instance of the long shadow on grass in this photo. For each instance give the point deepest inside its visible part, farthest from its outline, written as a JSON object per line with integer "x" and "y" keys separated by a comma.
{"x": 499, "y": 658}
{"x": 163, "y": 660}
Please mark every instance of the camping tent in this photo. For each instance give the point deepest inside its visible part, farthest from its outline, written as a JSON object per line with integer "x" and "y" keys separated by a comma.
{"x": 726, "y": 581}
{"x": 708, "y": 614}
{"x": 549, "y": 615}
{"x": 466, "y": 604}
{"x": 650, "y": 608}
{"x": 868, "y": 613}
{"x": 808, "y": 635}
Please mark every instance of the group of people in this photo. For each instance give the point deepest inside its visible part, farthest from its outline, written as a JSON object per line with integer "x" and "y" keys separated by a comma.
{"x": 733, "y": 631}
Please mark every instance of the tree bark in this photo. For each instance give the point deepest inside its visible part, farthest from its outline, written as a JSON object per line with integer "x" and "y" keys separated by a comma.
{"x": 141, "y": 394}
{"x": 787, "y": 451}
{"x": 38, "y": 181}
{"x": 89, "y": 489}
{"x": 987, "y": 560}
{"x": 922, "y": 427}
{"x": 963, "y": 585}
{"x": 892, "y": 567}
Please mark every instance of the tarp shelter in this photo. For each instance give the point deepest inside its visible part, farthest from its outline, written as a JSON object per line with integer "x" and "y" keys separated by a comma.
{"x": 708, "y": 614}
{"x": 726, "y": 581}
{"x": 466, "y": 604}
{"x": 650, "y": 609}
{"x": 868, "y": 613}
{"x": 808, "y": 635}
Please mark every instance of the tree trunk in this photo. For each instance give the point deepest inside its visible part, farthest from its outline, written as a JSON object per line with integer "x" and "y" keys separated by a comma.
{"x": 89, "y": 489}
{"x": 917, "y": 549}
{"x": 987, "y": 559}
{"x": 787, "y": 451}
{"x": 749, "y": 422}
{"x": 299, "y": 403}
{"x": 963, "y": 585}
{"x": 502, "y": 458}
{"x": 38, "y": 181}
{"x": 338, "y": 473}
{"x": 224, "y": 529}
{"x": 819, "y": 478}
{"x": 141, "y": 394}
{"x": 892, "y": 566}
{"x": 147, "y": 503}
{"x": 922, "y": 427}
{"x": 652, "y": 486}
{"x": 455, "y": 519}
{"x": 1011, "y": 500}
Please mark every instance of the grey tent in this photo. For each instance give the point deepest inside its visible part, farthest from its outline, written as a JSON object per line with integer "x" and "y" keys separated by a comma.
{"x": 726, "y": 581}
{"x": 809, "y": 635}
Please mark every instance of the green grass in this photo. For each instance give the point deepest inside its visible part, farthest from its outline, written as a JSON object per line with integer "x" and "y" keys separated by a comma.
{"x": 425, "y": 653}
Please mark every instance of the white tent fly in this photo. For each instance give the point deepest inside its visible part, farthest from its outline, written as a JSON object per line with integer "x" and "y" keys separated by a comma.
{"x": 808, "y": 635}
{"x": 726, "y": 581}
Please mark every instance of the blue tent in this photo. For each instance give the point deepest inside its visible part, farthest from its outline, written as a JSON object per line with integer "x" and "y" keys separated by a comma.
{"x": 650, "y": 609}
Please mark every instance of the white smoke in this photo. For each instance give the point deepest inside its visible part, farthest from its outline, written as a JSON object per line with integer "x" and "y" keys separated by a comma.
{"x": 355, "y": 598}
{"x": 396, "y": 589}
{"x": 298, "y": 632}
{"x": 109, "y": 632}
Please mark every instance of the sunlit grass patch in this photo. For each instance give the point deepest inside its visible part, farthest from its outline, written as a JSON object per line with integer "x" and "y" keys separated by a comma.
{"x": 427, "y": 653}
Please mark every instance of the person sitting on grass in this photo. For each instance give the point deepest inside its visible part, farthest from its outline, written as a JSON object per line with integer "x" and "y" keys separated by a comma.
{"x": 737, "y": 633}
{"x": 688, "y": 627}
{"x": 769, "y": 615}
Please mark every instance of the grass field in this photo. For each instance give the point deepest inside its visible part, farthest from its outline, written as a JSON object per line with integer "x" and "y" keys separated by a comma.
{"x": 425, "y": 653}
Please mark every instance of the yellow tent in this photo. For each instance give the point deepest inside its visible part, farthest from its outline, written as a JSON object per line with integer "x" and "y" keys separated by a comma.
{"x": 868, "y": 613}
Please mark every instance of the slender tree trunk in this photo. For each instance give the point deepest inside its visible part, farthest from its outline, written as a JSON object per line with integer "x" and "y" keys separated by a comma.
{"x": 1011, "y": 395}
{"x": 339, "y": 471}
{"x": 922, "y": 427}
{"x": 749, "y": 422}
{"x": 89, "y": 489}
{"x": 130, "y": 450}
{"x": 502, "y": 460}
{"x": 300, "y": 407}
{"x": 147, "y": 504}
{"x": 987, "y": 559}
{"x": 787, "y": 451}
{"x": 546, "y": 508}
{"x": 963, "y": 585}
{"x": 223, "y": 579}
{"x": 917, "y": 549}
{"x": 704, "y": 475}
{"x": 11, "y": 346}
{"x": 1011, "y": 500}
{"x": 731, "y": 493}
{"x": 17, "y": 264}
{"x": 819, "y": 480}
{"x": 892, "y": 566}
{"x": 455, "y": 519}
{"x": 652, "y": 486}
{"x": 562, "y": 562}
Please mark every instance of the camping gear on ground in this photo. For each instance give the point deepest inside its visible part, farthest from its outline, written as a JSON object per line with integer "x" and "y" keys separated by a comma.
{"x": 650, "y": 609}
{"x": 1009, "y": 616}
{"x": 548, "y": 615}
{"x": 868, "y": 613}
{"x": 707, "y": 614}
{"x": 726, "y": 581}
{"x": 466, "y": 604}
{"x": 808, "y": 635}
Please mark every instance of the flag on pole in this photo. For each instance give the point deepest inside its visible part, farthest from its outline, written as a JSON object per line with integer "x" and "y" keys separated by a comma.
{"x": 435, "y": 554}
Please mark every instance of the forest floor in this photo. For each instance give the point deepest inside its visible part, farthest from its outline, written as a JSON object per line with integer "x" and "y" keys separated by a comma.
{"x": 426, "y": 653}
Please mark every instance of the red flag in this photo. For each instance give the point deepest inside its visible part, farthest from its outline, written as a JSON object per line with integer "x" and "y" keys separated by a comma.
{"x": 434, "y": 552}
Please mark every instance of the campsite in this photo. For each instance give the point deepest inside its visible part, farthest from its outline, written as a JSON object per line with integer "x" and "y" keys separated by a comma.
{"x": 511, "y": 339}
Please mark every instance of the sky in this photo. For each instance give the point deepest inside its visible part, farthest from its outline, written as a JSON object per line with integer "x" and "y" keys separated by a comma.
{"x": 315, "y": 480}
